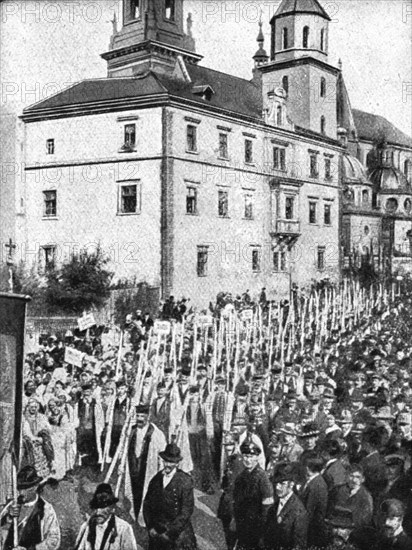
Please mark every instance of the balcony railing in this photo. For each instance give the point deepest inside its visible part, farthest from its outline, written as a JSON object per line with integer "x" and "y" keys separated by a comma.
{"x": 287, "y": 227}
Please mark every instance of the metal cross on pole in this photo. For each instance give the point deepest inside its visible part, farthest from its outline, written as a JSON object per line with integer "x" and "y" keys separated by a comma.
{"x": 10, "y": 262}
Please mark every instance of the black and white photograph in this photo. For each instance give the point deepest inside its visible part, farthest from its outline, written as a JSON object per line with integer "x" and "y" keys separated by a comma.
{"x": 206, "y": 275}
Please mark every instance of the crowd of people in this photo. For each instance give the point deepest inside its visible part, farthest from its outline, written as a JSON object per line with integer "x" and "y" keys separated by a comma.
{"x": 304, "y": 437}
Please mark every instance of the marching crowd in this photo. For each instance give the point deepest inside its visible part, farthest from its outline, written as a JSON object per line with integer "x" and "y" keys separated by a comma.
{"x": 307, "y": 449}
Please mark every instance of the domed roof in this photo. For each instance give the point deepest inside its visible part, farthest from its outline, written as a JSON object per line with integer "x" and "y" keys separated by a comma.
{"x": 353, "y": 169}
{"x": 301, "y": 6}
{"x": 387, "y": 178}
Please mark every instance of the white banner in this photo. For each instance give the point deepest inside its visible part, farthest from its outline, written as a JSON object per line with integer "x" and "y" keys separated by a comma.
{"x": 73, "y": 356}
{"x": 86, "y": 321}
{"x": 161, "y": 327}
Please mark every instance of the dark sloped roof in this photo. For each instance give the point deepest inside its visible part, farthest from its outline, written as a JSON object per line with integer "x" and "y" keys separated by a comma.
{"x": 101, "y": 89}
{"x": 230, "y": 93}
{"x": 301, "y": 6}
{"x": 375, "y": 128}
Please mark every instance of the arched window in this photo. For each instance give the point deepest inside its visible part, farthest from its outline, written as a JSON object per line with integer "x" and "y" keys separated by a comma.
{"x": 407, "y": 168}
{"x": 365, "y": 196}
{"x": 170, "y": 9}
{"x": 279, "y": 115}
{"x": 322, "y": 87}
{"x": 322, "y": 40}
{"x": 391, "y": 205}
{"x": 322, "y": 125}
{"x": 285, "y": 43}
{"x": 305, "y": 40}
{"x": 285, "y": 84}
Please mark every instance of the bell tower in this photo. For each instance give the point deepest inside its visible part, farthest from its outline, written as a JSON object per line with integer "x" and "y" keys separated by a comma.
{"x": 299, "y": 63}
{"x": 152, "y": 36}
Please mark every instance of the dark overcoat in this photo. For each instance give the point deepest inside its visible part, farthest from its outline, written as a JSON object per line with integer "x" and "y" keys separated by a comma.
{"x": 168, "y": 510}
{"x": 288, "y": 530}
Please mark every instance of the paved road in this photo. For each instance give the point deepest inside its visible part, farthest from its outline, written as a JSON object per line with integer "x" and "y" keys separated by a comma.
{"x": 70, "y": 500}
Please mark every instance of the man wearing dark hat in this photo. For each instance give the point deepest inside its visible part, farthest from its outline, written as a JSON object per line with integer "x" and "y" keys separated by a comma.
{"x": 104, "y": 530}
{"x": 252, "y": 498}
{"x": 117, "y": 416}
{"x": 90, "y": 427}
{"x": 38, "y": 526}
{"x": 341, "y": 526}
{"x": 287, "y": 521}
{"x": 160, "y": 408}
{"x": 391, "y": 534}
{"x": 169, "y": 504}
{"x": 145, "y": 443}
{"x": 233, "y": 467}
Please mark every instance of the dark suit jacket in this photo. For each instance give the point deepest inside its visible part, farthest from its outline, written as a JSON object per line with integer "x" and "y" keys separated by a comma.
{"x": 289, "y": 530}
{"x": 335, "y": 475}
{"x": 401, "y": 542}
{"x": 375, "y": 473}
{"x": 361, "y": 504}
{"x": 169, "y": 511}
{"x": 314, "y": 497}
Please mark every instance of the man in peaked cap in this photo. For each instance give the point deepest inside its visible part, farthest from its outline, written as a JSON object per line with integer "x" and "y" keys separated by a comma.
{"x": 38, "y": 526}
{"x": 252, "y": 497}
{"x": 169, "y": 505}
{"x": 287, "y": 520}
{"x": 104, "y": 530}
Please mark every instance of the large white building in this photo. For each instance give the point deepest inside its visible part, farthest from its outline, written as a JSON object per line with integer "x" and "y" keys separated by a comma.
{"x": 193, "y": 180}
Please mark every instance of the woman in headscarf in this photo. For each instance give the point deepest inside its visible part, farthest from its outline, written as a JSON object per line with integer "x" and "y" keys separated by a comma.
{"x": 37, "y": 443}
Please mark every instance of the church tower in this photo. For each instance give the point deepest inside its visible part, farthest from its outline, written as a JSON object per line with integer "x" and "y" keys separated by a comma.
{"x": 299, "y": 64}
{"x": 152, "y": 37}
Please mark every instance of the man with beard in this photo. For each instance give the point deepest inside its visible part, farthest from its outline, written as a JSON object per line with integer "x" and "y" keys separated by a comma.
{"x": 252, "y": 497}
{"x": 391, "y": 535}
{"x": 169, "y": 504}
{"x": 104, "y": 530}
{"x": 145, "y": 443}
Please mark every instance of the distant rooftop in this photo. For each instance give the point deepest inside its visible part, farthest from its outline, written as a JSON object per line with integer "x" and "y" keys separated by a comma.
{"x": 376, "y": 128}
{"x": 301, "y": 6}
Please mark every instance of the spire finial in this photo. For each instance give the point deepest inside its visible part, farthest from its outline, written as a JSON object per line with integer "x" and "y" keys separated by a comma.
{"x": 260, "y": 38}
{"x": 340, "y": 63}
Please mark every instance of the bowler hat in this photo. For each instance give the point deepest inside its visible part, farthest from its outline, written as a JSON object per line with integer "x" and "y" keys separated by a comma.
{"x": 309, "y": 430}
{"x": 171, "y": 453}
{"x": 103, "y": 497}
{"x": 285, "y": 471}
{"x": 341, "y": 517}
{"x": 27, "y": 477}
{"x": 142, "y": 409}
{"x": 392, "y": 507}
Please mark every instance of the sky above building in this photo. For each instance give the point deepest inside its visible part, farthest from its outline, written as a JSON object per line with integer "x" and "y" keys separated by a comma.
{"x": 48, "y": 45}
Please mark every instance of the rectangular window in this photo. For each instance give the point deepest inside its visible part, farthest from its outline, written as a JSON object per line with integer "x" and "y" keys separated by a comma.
{"x": 170, "y": 9}
{"x": 248, "y": 151}
{"x": 223, "y": 149}
{"x": 279, "y": 260}
{"x": 191, "y": 200}
{"x": 312, "y": 212}
{"x": 50, "y": 146}
{"x": 327, "y": 217}
{"x": 223, "y": 204}
{"x": 289, "y": 207}
{"x": 129, "y": 202}
{"x": 130, "y": 135}
{"x": 50, "y": 204}
{"x": 248, "y": 206}
{"x": 321, "y": 258}
{"x": 279, "y": 158}
{"x": 328, "y": 174}
{"x": 202, "y": 260}
{"x": 256, "y": 260}
{"x": 191, "y": 138}
{"x": 313, "y": 166}
{"x": 136, "y": 9}
{"x": 49, "y": 253}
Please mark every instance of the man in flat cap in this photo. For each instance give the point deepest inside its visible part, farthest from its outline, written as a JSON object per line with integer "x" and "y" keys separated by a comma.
{"x": 287, "y": 521}
{"x": 252, "y": 498}
{"x": 391, "y": 534}
{"x": 104, "y": 530}
{"x": 169, "y": 504}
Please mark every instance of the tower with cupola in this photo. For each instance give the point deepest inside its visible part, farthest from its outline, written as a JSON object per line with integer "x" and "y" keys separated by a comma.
{"x": 299, "y": 63}
{"x": 152, "y": 36}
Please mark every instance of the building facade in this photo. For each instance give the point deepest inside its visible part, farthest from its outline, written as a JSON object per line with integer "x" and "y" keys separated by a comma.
{"x": 194, "y": 180}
